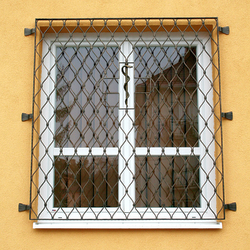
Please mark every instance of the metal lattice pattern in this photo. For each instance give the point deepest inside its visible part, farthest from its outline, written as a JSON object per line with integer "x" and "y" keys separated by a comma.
{"x": 127, "y": 120}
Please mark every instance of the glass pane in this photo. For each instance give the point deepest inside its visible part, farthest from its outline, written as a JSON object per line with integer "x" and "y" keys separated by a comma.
{"x": 166, "y": 112}
{"x": 167, "y": 181}
{"x": 86, "y": 182}
{"x": 87, "y": 97}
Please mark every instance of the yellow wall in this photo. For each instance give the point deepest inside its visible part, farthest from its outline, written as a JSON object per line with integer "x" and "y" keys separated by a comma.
{"x": 16, "y": 75}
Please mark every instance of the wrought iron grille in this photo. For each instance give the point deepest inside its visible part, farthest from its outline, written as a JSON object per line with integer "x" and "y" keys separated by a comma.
{"x": 127, "y": 119}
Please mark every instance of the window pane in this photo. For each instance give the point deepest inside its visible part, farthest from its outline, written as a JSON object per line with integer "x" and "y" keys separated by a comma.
{"x": 86, "y": 182}
{"x": 166, "y": 112}
{"x": 87, "y": 97}
{"x": 167, "y": 181}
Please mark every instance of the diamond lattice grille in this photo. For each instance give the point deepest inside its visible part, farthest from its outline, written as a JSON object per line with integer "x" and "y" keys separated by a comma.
{"x": 127, "y": 120}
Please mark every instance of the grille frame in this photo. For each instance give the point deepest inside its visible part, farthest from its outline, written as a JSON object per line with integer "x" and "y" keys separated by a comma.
{"x": 125, "y": 25}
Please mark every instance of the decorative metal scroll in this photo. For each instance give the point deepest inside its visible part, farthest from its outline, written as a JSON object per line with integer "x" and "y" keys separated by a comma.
{"x": 127, "y": 78}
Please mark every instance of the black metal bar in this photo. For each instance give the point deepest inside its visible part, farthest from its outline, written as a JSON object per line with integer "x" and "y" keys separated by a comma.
{"x": 220, "y": 108}
{"x": 172, "y": 136}
{"x": 106, "y": 182}
{"x": 67, "y": 180}
{"x": 159, "y": 139}
{"x": 33, "y": 124}
{"x": 146, "y": 166}
{"x": 93, "y": 182}
{"x": 124, "y": 18}
{"x": 185, "y": 134}
{"x": 146, "y": 143}
{"x": 106, "y": 128}
{"x": 80, "y": 182}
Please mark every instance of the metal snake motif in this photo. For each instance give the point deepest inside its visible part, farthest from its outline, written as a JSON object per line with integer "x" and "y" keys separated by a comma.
{"x": 127, "y": 78}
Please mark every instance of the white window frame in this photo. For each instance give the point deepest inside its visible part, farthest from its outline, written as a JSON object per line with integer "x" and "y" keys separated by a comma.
{"x": 203, "y": 48}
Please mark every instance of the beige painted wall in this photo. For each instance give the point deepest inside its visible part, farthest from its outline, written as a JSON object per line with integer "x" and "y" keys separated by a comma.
{"x": 16, "y": 74}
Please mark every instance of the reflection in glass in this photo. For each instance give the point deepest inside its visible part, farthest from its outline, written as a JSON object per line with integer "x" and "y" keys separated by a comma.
{"x": 166, "y": 97}
{"x": 167, "y": 181}
{"x": 166, "y": 115}
{"x": 86, "y": 182}
{"x": 87, "y": 97}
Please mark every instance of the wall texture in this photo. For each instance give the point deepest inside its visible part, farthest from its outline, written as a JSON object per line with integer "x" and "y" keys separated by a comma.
{"x": 16, "y": 74}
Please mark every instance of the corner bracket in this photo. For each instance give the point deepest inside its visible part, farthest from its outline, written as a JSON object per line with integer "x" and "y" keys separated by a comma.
{"x": 224, "y": 30}
{"x": 26, "y": 117}
{"x": 28, "y": 32}
{"x": 231, "y": 206}
{"x": 23, "y": 207}
{"x": 227, "y": 115}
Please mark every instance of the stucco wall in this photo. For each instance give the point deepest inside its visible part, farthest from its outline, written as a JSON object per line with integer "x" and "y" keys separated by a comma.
{"x": 16, "y": 74}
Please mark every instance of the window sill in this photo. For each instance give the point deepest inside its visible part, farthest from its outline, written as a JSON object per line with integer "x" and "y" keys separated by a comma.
{"x": 131, "y": 224}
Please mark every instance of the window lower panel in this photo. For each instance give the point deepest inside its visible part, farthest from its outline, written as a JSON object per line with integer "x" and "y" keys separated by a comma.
{"x": 86, "y": 182}
{"x": 167, "y": 181}
{"x": 160, "y": 181}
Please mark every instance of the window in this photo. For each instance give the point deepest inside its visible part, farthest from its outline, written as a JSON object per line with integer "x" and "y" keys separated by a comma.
{"x": 126, "y": 121}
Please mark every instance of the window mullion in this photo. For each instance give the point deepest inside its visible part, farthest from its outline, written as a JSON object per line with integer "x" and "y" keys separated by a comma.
{"x": 126, "y": 132}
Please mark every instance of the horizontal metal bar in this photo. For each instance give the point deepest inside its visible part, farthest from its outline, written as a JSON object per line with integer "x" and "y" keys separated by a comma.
{"x": 125, "y": 18}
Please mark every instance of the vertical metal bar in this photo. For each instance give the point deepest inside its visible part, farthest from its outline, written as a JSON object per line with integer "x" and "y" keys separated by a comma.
{"x": 67, "y": 180}
{"x": 106, "y": 182}
{"x": 93, "y": 95}
{"x": 33, "y": 123}
{"x": 93, "y": 182}
{"x": 104, "y": 90}
{"x": 146, "y": 166}
{"x": 221, "y": 143}
{"x": 159, "y": 139}
{"x": 146, "y": 144}
{"x": 185, "y": 134}
{"x": 81, "y": 100}
{"x": 68, "y": 127}
{"x": 172, "y": 135}
{"x": 68, "y": 101}
{"x": 184, "y": 106}
{"x": 80, "y": 180}
{"x": 93, "y": 139}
